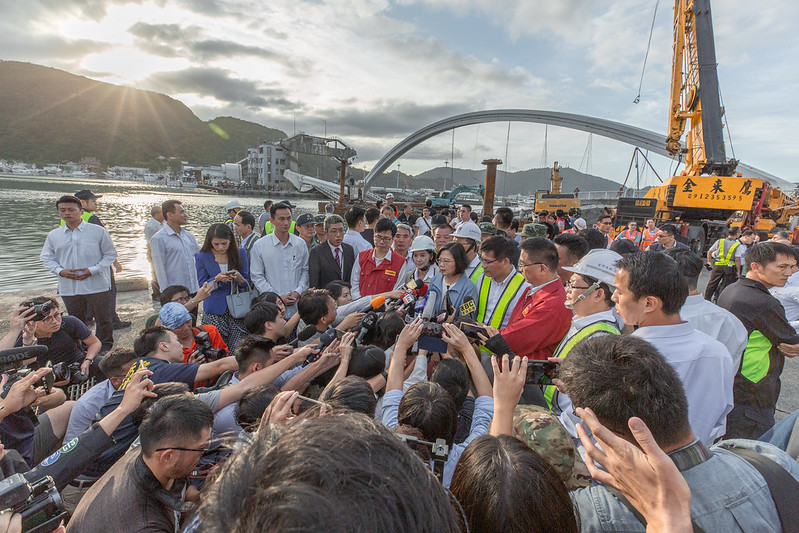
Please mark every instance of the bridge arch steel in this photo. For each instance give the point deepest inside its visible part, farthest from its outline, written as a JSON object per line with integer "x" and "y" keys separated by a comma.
{"x": 645, "y": 139}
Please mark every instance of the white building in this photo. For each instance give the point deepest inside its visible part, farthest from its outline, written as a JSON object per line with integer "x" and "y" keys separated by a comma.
{"x": 267, "y": 162}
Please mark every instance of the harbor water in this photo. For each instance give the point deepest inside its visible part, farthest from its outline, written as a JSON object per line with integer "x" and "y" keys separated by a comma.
{"x": 28, "y": 213}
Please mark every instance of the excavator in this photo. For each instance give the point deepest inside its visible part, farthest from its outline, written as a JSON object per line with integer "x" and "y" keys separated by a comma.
{"x": 449, "y": 198}
{"x": 708, "y": 196}
{"x": 554, "y": 199}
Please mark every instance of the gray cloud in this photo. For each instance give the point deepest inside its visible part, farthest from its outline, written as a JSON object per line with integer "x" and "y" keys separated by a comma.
{"x": 387, "y": 118}
{"x": 219, "y": 84}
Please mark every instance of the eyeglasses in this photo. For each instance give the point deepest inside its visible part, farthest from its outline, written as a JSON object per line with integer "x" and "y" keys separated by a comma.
{"x": 201, "y": 450}
{"x": 522, "y": 265}
{"x": 445, "y": 261}
{"x": 570, "y": 286}
{"x": 53, "y": 318}
{"x": 661, "y": 235}
{"x": 181, "y": 299}
{"x": 383, "y": 238}
{"x": 487, "y": 261}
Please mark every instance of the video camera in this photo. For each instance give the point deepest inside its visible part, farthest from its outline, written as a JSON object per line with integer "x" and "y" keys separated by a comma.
{"x": 439, "y": 452}
{"x": 206, "y": 348}
{"x": 41, "y": 310}
{"x": 11, "y": 362}
{"x": 37, "y": 501}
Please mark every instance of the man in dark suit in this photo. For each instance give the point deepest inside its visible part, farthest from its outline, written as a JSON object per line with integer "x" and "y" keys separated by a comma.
{"x": 331, "y": 260}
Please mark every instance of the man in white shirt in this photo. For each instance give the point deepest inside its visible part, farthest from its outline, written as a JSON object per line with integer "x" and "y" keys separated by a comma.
{"x": 356, "y": 222}
{"x": 173, "y": 250}
{"x": 153, "y": 226}
{"x": 81, "y": 255}
{"x": 788, "y": 296}
{"x": 464, "y": 216}
{"x": 705, "y": 316}
{"x": 244, "y": 225}
{"x": 650, "y": 290}
{"x": 470, "y": 236}
{"x": 424, "y": 224}
{"x": 402, "y": 242}
{"x": 280, "y": 261}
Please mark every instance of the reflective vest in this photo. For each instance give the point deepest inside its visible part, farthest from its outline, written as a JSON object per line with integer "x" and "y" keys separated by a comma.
{"x": 477, "y": 273}
{"x": 570, "y": 230}
{"x": 630, "y": 235}
{"x": 726, "y": 259}
{"x": 269, "y": 227}
{"x": 497, "y": 315}
{"x": 567, "y": 344}
{"x": 648, "y": 238}
{"x": 376, "y": 279}
{"x": 85, "y": 216}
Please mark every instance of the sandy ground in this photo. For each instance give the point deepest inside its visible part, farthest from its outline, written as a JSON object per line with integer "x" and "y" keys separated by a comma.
{"x": 134, "y": 304}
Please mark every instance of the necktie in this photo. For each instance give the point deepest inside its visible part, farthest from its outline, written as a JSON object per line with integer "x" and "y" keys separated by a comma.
{"x": 338, "y": 259}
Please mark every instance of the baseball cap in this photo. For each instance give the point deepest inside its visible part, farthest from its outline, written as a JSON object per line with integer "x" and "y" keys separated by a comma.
{"x": 390, "y": 195}
{"x": 320, "y": 218}
{"x": 534, "y": 230}
{"x": 87, "y": 194}
{"x": 305, "y": 219}
{"x": 173, "y": 315}
{"x": 488, "y": 228}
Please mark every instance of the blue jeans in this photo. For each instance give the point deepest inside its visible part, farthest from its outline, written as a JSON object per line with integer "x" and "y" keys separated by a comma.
{"x": 780, "y": 434}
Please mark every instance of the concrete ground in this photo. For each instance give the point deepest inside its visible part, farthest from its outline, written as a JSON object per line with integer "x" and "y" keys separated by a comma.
{"x": 134, "y": 304}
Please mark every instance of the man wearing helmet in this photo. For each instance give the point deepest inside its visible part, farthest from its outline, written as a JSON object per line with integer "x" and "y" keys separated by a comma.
{"x": 470, "y": 236}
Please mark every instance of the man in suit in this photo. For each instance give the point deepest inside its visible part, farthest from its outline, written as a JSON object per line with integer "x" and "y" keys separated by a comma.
{"x": 331, "y": 260}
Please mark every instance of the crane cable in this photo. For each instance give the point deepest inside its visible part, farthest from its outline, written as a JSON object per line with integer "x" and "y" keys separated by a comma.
{"x": 648, "y": 45}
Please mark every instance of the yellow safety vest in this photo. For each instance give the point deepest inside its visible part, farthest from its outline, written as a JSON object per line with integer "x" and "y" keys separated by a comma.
{"x": 725, "y": 259}
{"x": 85, "y": 216}
{"x": 498, "y": 314}
{"x": 476, "y": 274}
{"x": 269, "y": 227}
{"x": 566, "y": 346}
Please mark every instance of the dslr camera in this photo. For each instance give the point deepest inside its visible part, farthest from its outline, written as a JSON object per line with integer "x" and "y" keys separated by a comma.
{"x": 37, "y": 501}
{"x": 204, "y": 346}
{"x": 41, "y": 310}
{"x": 71, "y": 373}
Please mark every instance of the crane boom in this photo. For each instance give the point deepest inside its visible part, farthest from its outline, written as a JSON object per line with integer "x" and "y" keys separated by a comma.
{"x": 695, "y": 92}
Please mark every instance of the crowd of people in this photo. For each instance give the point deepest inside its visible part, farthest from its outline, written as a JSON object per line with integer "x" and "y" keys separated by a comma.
{"x": 399, "y": 370}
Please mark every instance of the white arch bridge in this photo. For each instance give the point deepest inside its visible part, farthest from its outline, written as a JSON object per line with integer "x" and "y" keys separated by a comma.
{"x": 644, "y": 139}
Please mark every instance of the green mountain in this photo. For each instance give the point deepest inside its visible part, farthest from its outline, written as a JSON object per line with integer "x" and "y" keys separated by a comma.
{"x": 508, "y": 183}
{"x": 48, "y": 115}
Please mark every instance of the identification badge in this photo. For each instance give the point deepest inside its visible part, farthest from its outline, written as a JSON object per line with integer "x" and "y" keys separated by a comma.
{"x": 391, "y": 273}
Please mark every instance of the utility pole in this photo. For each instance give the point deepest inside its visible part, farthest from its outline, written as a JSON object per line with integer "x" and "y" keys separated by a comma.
{"x": 398, "y": 167}
{"x": 325, "y": 127}
{"x": 491, "y": 183}
{"x": 446, "y": 166}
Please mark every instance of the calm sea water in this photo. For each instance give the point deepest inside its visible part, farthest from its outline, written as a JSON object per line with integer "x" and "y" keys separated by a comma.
{"x": 28, "y": 213}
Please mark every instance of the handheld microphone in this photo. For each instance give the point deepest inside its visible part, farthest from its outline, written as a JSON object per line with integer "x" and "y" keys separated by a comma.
{"x": 368, "y": 323}
{"x": 325, "y": 339}
{"x": 304, "y": 334}
{"x": 468, "y": 307}
{"x": 429, "y": 306}
{"x": 374, "y": 305}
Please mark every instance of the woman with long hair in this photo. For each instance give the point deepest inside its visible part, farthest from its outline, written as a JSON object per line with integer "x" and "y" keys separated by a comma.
{"x": 219, "y": 260}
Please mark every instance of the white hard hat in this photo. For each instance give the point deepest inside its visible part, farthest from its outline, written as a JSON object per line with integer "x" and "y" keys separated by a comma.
{"x": 598, "y": 264}
{"x": 579, "y": 223}
{"x": 390, "y": 195}
{"x": 422, "y": 243}
{"x": 233, "y": 204}
{"x": 469, "y": 230}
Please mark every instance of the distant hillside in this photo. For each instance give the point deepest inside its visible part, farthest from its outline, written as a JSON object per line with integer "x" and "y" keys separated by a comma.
{"x": 520, "y": 182}
{"x": 48, "y": 115}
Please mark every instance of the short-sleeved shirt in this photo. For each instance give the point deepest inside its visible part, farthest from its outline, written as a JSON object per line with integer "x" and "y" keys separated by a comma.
{"x": 126, "y": 432}
{"x": 64, "y": 346}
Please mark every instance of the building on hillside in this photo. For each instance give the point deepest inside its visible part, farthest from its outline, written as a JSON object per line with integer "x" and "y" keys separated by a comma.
{"x": 265, "y": 165}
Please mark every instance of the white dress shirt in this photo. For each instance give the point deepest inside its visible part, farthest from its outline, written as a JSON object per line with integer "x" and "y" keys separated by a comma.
{"x": 717, "y": 322}
{"x": 151, "y": 228}
{"x": 87, "y": 246}
{"x": 495, "y": 291}
{"x": 789, "y": 298}
{"x": 173, "y": 258}
{"x": 278, "y": 267}
{"x": 705, "y": 369}
{"x": 355, "y": 278}
{"x": 358, "y": 243}
{"x": 473, "y": 264}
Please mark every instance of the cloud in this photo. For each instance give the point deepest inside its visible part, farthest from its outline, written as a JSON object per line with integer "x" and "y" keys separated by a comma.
{"x": 223, "y": 86}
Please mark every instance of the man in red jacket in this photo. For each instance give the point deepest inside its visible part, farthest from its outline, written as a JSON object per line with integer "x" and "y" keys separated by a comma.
{"x": 540, "y": 320}
{"x": 378, "y": 270}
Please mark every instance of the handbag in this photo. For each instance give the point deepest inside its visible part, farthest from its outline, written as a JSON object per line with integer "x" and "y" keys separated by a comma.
{"x": 238, "y": 302}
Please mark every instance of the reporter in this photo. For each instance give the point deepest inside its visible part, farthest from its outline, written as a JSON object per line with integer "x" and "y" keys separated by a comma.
{"x": 175, "y": 317}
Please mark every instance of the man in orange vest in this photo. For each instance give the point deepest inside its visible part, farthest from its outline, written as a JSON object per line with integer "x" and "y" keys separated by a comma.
{"x": 649, "y": 235}
{"x": 378, "y": 270}
{"x": 631, "y": 233}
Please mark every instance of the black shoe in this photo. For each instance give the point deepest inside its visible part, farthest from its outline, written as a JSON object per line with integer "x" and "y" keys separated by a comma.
{"x": 120, "y": 324}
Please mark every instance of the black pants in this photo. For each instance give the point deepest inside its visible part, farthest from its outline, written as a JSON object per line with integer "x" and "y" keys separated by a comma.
{"x": 101, "y": 304}
{"x": 720, "y": 277}
{"x": 749, "y": 422}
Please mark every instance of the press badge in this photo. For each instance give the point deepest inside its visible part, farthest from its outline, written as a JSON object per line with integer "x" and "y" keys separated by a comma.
{"x": 391, "y": 273}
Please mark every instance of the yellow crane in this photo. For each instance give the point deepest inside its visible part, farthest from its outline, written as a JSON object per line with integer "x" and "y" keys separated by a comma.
{"x": 708, "y": 195}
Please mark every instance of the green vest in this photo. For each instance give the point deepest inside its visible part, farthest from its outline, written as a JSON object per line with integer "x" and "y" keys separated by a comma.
{"x": 504, "y": 301}
{"x": 85, "y": 216}
{"x": 567, "y": 344}
{"x": 476, "y": 274}
{"x": 725, "y": 259}
{"x": 269, "y": 227}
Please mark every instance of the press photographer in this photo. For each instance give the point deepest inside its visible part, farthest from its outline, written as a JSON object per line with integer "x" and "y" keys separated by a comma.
{"x": 177, "y": 318}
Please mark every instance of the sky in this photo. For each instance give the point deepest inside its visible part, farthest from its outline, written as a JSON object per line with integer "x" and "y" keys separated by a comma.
{"x": 372, "y": 72}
